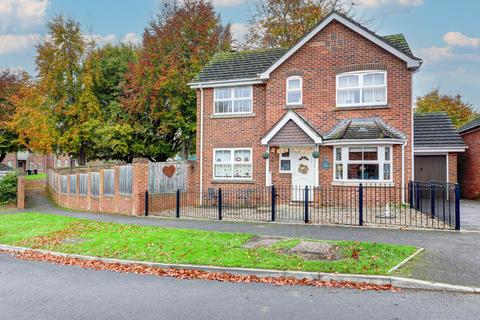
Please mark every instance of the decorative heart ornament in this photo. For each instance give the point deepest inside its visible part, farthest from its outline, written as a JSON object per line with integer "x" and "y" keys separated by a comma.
{"x": 169, "y": 171}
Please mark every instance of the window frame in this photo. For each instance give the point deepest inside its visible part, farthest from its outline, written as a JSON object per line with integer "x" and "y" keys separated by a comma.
{"x": 232, "y": 163}
{"x": 232, "y": 99}
{"x": 381, "y": 161}
{"x": 289, "y": 158}
{"x": 288, "y": 90}
{"x": 361, "y": 75}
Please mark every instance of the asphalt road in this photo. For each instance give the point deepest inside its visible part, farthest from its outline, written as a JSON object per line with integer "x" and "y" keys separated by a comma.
{"x": 40, "y": 290}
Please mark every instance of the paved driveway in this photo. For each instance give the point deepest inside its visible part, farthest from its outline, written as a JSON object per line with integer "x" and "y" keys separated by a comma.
{"x": 39, "y": 290}
{"x": 470, "y": 215}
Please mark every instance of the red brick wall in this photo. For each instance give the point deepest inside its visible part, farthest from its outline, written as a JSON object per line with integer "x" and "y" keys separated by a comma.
{"x": 318, "y": 65}
{"x": 469, "y": 166}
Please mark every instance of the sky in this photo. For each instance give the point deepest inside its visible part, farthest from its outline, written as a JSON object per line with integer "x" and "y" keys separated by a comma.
{"x": 444, "y": 33}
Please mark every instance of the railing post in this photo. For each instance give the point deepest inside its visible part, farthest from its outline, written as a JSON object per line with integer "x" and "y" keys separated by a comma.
{"x": 432, "y": 199}
{"x": 274, "y": 202}
{"x": 417, "y": 197}
{"x": 220, "y": 204}
{"x": 410, "y": 193}
{"x": 146, "y": 203}
{"x": 177, "y": 207}
{"x": 457, "y": 206}
{"x": 306, "y": 200}
{"x": 360, "y": 204}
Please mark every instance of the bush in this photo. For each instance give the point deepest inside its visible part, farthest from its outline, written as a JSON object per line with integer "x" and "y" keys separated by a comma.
{"x": 8, "y": 189}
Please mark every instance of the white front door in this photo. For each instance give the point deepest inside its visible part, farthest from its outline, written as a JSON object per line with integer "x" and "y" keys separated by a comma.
{"x": 303, "y": 172}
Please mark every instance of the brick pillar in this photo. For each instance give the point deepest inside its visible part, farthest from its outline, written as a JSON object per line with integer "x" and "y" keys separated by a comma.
{"x": 21, "y": 192}
{"x": 139, "y": 185}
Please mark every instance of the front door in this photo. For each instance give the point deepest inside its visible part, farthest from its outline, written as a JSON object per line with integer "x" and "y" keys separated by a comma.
{"x": 303, "y": 173}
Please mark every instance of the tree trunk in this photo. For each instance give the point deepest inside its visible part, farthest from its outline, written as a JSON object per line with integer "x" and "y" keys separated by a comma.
{"x": 2, "y": 156}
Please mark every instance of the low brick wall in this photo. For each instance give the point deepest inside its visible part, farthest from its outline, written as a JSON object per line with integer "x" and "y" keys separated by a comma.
{"x": 77, "y": 198}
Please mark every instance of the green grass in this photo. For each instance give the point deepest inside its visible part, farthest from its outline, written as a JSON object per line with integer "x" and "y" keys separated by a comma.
{"x": 169, "y": 245}
{"x": 35, "y": 177}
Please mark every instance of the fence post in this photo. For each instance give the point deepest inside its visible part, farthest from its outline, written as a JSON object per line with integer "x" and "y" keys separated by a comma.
{"x": 360, "y": 204}
{"x": 432, "y": 199}
{"x": 177, "y": 206}
{"x": 220, "y": 203}
{"x": 410, "y": 193}
{"x": 417, "y": 197}
{"x": 146, "y": 203}
{"x": 306, "y": 205}
{"x": 274, "y": 202}
{"x": 457, "y": 206}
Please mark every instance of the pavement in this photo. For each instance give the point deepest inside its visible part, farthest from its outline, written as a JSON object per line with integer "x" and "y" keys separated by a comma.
{"x": 470, "y": 215}
{"x": 40, "y": 290}
{"x": 450, "y": 257}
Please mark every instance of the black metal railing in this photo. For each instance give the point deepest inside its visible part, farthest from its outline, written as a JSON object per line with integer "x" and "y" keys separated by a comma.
{"x": 418, "y": 205}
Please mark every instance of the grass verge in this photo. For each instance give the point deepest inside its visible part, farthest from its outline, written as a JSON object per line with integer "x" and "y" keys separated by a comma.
{"x": 35, "y": 177}
{"x": 168, "y": 245}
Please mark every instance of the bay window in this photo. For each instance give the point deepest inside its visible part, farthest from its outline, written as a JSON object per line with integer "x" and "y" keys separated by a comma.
{"x": 362, "y": 89}
{"x": 232, "y": 163}
{"x": 359, "y": 163}
{"x": 294, "y": 90}
{"x": 233, "y": 100}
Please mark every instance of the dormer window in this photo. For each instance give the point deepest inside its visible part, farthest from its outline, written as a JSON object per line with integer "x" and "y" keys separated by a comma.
{"x": 294, "y": 90}
{"x": 362, "y": 89}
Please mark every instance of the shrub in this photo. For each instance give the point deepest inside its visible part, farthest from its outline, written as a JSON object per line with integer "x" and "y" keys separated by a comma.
{"x": 8, "y": 189}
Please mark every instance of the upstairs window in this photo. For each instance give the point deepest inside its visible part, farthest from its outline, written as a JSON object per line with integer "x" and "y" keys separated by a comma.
{"x": 294, "y": 90}
{"x": 233, "y": 100}
{"x": 362, "y": 89}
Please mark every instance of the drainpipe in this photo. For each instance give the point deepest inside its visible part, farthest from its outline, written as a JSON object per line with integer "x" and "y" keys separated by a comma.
{"x": 403, "y": 170}
{"x": 201, "y": 144}
{"x": 268, "y": 181}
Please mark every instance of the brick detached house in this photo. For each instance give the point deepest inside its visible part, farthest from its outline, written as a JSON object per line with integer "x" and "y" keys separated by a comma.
{"x": 469, "y": 162}
{"x": 334, "y": 109}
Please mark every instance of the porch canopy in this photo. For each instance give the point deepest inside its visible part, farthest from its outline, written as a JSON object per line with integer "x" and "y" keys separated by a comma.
{"x": 292, "y": 129}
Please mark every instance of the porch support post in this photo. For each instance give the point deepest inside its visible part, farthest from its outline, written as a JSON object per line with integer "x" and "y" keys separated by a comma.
{"x": 317, "y": 168}
{"x": 268, "y": 179}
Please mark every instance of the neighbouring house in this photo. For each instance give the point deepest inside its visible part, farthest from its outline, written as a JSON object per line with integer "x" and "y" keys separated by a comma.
{"x": 469, "y": 162}
{"x": 4, "y": 170}
{"x": 25, "y": 161}
{"x": 334, "y": 109}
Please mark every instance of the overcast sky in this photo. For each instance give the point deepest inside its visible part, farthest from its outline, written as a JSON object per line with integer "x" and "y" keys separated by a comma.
{"x": 444, "y": 33}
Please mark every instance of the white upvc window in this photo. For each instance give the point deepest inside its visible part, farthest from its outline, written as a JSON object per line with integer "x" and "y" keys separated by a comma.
{"x": 294, "y": 90}
{"x": 285, "y": 162}
{"x": 233, "y": 100}
{"x": 367, "y": 88}
{"x": 232, "y": 163}
{"x": 363, "y": 163}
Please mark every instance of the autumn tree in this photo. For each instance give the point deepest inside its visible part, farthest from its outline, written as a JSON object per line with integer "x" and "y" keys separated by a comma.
{"x": 281, "y": 23}
{"x": 67, "y": 85}
{"x": 457, "y": 109}
{"x": 162, "y": 108}
{"x": 11, "y": 82}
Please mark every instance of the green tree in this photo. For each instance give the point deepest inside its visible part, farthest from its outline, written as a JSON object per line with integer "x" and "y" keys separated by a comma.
{"x": 161, "y": 106}
{"x": 281, "y": 23}
{"x": 457, "y": 109}
{"x": 11, "y": 83}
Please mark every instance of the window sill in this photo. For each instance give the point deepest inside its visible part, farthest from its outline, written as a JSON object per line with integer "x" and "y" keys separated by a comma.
{"x": 383, "y": 106}
{"x": 364, "y": 183}
{"x": 232, "y": 181}
{"x": 232, "y": 115}
{"x": 294, "y": 106}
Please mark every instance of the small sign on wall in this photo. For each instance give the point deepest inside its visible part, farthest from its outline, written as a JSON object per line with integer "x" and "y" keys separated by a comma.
{"x": 325, "y": 163}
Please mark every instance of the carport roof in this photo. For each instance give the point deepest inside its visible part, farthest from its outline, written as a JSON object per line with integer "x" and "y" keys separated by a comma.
{"x": 435, "y": 130}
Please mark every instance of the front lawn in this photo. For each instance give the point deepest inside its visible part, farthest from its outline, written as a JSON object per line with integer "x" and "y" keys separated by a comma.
{"x": 168, "y": 245}
{"x": 35, "y": 177}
